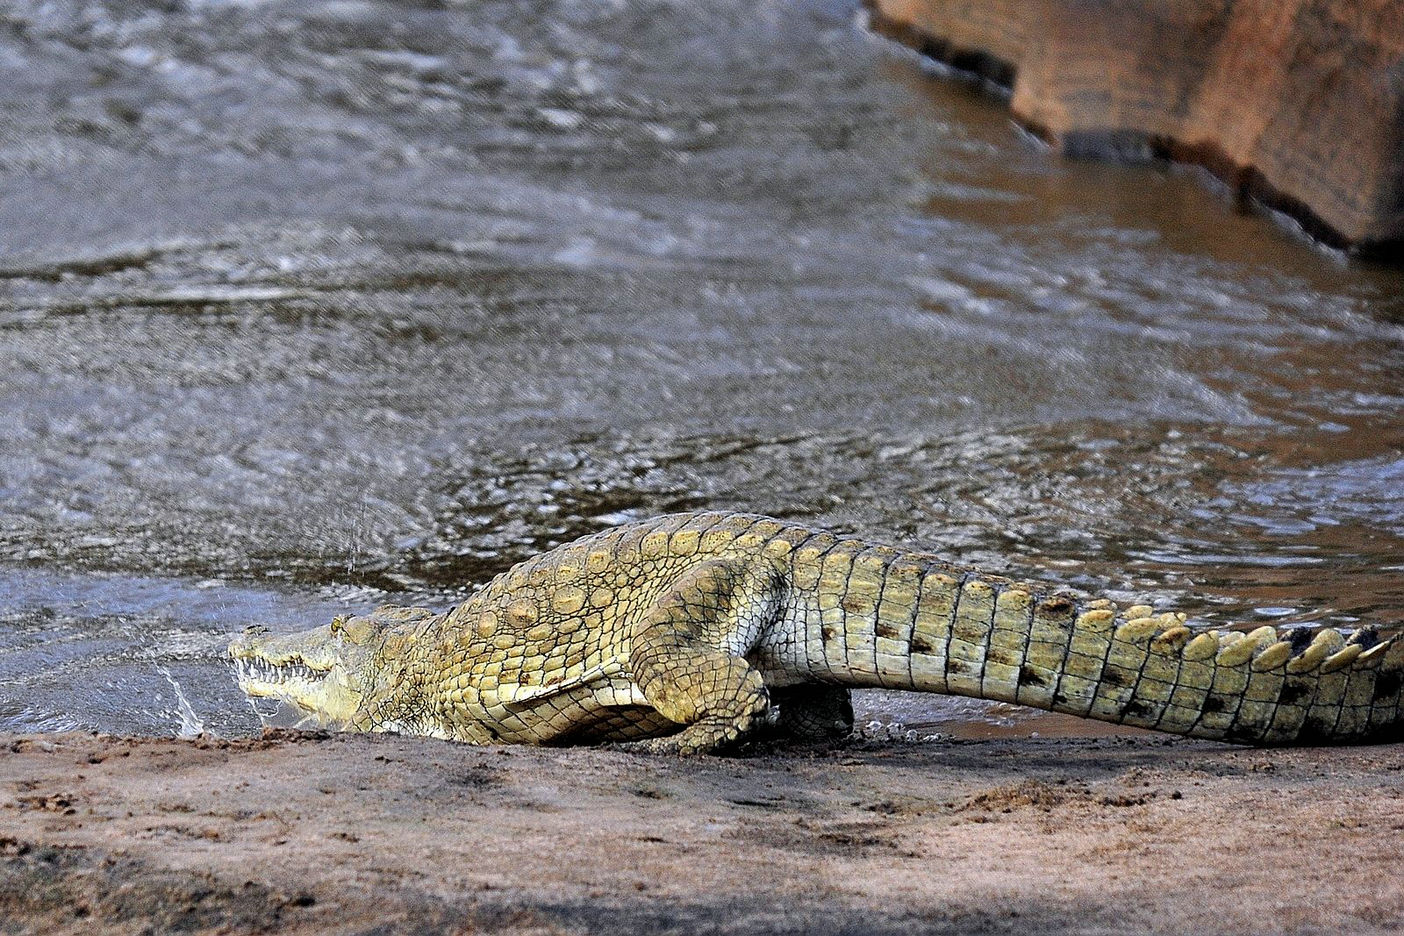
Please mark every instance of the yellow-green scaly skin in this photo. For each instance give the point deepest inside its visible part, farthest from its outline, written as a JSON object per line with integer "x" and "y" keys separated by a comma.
{"x": 687, "y": 628}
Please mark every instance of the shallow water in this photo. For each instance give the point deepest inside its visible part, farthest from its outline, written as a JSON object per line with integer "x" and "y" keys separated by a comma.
{"x": 308, "y": 306}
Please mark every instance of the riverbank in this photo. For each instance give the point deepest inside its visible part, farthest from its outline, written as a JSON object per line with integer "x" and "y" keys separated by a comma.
{"x": 1294, "y": 105}
{"x": 314, "y": 833}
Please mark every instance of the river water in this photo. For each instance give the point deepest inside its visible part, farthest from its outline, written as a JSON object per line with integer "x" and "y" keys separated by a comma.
{"x": 309, "y": 306}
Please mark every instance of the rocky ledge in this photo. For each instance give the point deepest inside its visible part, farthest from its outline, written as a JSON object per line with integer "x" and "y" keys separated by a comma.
{"x": 1297, "y": 104}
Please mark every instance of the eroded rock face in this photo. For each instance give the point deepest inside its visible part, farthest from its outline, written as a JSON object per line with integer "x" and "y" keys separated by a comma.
{"x": 1299, "y": 103}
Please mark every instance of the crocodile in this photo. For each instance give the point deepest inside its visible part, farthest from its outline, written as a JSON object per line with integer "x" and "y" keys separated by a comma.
{"x": 688, "y": 632}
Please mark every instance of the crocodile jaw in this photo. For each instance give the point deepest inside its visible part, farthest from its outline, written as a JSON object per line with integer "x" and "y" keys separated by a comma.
{"x": 308, "y": 670}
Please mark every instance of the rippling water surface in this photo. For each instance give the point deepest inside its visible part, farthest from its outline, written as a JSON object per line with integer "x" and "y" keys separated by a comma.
{"x": 308, "y": 306}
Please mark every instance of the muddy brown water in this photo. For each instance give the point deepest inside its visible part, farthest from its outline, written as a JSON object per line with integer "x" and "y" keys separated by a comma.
{"x": 309, "y": 306}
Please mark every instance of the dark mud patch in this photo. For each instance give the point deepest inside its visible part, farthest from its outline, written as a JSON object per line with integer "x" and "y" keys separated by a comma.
{"x": 50, "y": 890}
{"x": 1026, "y": 794}
{"x": 44, "y": 889}
{"x": 824, "y": 837}
{"x": 761, "y": 917}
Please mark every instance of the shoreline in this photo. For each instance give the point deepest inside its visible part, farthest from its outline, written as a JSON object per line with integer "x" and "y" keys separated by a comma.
{"x": 300, "y": 832}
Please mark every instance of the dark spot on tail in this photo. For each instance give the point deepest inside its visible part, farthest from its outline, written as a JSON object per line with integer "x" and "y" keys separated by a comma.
{"x": 827, "y": 633}
{"x": 1293, "y": 691}
{"x": 1057, "y": 605}
{"x": 1215, "y": 703}
{"x": 1028, "y": 676}
{"x": 1388, "y": 684}
{"x": 1112, "y": 676}
{"x": 1135, "y": 709}
{"x": 921, "y": 645}
{"x": 888, "y": 629}
{"x": 1300, "y": 638}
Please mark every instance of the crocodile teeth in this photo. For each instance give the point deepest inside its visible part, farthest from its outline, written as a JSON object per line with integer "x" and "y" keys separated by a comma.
{"x": 248, "y": 670}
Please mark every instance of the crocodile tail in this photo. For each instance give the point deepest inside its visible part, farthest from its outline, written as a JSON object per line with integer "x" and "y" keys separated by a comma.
{"x": 1265, "y": 686}
{"x": 908, "y": 622}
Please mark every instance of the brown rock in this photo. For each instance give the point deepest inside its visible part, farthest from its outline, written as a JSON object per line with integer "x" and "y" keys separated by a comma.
{"x": 1297, "y": 103}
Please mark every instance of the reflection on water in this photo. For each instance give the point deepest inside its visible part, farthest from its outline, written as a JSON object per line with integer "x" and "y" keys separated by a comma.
{"x": 310, "y": 304}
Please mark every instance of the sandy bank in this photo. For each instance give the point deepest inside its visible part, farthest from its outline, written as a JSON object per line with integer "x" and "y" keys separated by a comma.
{"x": 299, "y": 833}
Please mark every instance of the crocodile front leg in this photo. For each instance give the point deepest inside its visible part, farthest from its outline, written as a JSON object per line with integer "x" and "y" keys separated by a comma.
{"x": 679, "y": 662}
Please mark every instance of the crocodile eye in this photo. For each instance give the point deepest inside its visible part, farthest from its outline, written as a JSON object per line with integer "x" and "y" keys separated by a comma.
{"x": 354, "y": 629}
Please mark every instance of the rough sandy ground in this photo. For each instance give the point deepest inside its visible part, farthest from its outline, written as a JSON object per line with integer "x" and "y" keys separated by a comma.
{"x": 299, "y": 833}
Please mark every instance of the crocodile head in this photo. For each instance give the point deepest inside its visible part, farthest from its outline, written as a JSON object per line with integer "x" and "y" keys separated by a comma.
{"x": 333, "y": 673}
